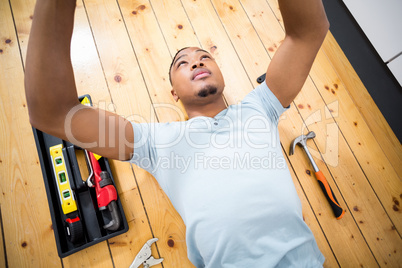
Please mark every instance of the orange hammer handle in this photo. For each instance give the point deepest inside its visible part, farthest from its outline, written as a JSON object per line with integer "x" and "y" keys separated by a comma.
{"x": 336, "y": 208}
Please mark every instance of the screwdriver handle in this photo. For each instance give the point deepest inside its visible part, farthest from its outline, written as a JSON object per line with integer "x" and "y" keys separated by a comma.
{"x": 336, "y": 208}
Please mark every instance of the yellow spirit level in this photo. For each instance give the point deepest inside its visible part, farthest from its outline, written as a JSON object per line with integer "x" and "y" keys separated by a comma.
{"x": 67, "y": 200}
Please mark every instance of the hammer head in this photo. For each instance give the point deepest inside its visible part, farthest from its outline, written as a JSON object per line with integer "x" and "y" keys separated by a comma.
{"x": 301, "y": 141}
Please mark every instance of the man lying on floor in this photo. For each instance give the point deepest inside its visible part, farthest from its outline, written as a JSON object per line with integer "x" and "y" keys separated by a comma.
{"x": 234, "y": 190}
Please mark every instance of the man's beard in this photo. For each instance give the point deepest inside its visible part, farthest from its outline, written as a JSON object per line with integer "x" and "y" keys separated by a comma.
{"x": 207, "y": 90}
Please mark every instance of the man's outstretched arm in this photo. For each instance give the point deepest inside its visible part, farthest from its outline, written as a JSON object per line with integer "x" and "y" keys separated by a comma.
{"x": 51, "y": 92}
{"x": 306, "y": 26}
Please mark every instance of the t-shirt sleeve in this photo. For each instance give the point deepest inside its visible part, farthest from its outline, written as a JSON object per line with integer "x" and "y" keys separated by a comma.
{"x": 144, "y": 154}
{"x": 264, "y": 100}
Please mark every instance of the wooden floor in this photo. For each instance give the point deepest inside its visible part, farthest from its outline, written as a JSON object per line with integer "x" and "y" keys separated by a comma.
{"x": 121, "y": 52}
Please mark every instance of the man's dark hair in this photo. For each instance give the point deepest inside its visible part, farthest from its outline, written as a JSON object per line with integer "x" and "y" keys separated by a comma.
{"x": 171, "y": 64}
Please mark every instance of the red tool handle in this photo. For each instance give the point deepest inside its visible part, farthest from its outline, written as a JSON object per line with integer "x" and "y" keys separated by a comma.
{"x": 336, "y": 208}
{"x": 105, "y": 193}
{"x": 95, "y": 164}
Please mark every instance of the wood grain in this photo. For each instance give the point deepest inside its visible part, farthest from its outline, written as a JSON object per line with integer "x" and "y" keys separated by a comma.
{"x": 310, "y": 218}
{"x": 89, "y": 80}
{"x": 28, "y": 232}
{"x": 373, "y": 117}
{"x": 154, "y": 59}
{"x": 3, "y": 260}
{"x": 131, "y": 97}
{"x": 121, "y": 51}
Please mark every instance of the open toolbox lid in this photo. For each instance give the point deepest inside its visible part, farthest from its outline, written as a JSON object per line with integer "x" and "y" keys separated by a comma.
{"x": 79, "y": 219}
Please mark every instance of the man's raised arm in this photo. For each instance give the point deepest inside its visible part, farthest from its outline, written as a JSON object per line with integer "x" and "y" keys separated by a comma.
{"x": 306, "y": 26}
{"x": 51, "y": 92}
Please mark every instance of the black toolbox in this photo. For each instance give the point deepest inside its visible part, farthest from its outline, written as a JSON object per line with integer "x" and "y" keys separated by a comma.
{"x": 85, "y": 219}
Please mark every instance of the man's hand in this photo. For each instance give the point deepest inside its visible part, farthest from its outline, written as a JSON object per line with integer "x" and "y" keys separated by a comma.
{"x": 51, "y": 92}
{"x": 306, "y": 26}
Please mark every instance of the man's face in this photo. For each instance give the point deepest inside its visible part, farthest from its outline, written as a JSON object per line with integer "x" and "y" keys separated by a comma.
{"x": 195, "y": 76}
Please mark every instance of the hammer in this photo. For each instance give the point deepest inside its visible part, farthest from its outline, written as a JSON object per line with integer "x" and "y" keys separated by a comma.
{"x": 301, "y": 141}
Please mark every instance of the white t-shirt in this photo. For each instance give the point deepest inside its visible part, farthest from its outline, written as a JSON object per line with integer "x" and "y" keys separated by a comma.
{"x": 229, "y": 181}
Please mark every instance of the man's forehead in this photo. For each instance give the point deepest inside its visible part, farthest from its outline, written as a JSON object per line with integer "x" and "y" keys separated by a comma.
{"x": 190, "y": 50}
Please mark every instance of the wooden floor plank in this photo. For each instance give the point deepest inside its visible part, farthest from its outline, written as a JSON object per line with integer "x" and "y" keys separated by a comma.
{"x": 374, "y": 119}
{"x": 23, "y": 14}
{"x": 374, "y": 163}
{"x": 154, "y": 59}
{"x": 176, "y": 28}
{"x": 311, "y": 220}
{"x": 26, "y": 221}
{"x": 131, "y": 98}
{"x": 89, "y": 80}
{"x": 126, "y": 246}
{"x": 3, "y": 260}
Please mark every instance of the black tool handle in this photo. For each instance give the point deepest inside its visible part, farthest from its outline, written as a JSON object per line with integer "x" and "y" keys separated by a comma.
{"x": 338, "y": 211}
{"x": 261, "y": 78}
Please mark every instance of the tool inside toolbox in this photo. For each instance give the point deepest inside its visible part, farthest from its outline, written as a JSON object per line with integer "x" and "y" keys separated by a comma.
{"x": 82, "y": 216}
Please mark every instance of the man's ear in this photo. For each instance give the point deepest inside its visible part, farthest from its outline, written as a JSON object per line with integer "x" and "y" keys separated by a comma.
{"x": 175, "y": 97}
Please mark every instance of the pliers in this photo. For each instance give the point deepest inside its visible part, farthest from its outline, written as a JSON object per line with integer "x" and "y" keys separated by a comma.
{"x": 145, "y": 256}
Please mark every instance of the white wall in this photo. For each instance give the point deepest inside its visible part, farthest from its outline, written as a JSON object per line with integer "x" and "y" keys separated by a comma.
{"x": 381, "y": 21}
